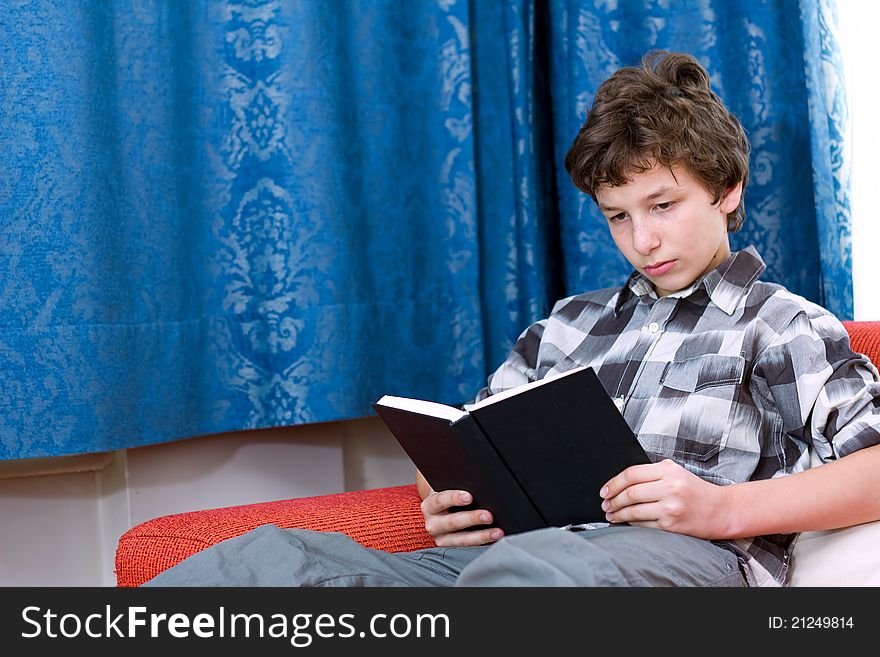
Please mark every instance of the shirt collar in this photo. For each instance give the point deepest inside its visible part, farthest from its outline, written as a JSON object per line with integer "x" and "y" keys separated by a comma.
{"x": 725, "y": 285}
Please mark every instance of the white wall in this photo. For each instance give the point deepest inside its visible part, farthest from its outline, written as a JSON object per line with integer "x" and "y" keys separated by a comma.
{"x": 62, "y": 517}
{"x": 860, "y": 50}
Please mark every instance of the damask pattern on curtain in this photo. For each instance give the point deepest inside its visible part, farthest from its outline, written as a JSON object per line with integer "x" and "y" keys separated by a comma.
{"x": 231, "y": 215}
{"x": 250, "y": 213}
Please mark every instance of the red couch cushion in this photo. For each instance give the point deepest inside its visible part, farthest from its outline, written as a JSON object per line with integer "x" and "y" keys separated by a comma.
{"x": 865, "y": 339}
{"x": 383, "y": 518}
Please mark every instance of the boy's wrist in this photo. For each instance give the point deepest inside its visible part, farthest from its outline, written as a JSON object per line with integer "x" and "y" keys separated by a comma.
{"x": 729, "y": 512}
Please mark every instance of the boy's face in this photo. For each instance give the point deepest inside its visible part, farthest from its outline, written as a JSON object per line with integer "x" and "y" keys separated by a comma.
{"x": 665, "y": 224}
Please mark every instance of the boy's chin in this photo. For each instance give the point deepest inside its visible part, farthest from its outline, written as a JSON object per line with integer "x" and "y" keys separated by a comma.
{"x": 664, "y": 286}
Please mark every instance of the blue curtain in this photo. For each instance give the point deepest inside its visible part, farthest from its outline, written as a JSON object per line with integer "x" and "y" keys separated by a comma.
{"x": 229, "y": 215}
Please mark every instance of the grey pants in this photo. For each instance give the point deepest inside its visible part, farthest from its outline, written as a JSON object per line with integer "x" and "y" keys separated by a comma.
{"x": 614, "y": 556}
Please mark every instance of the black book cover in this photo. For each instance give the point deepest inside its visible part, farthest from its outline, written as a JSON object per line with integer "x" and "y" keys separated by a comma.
{"x": 563, "y": 441}
{"x": 455, "y": 455}
{"x": 535, "y": 456}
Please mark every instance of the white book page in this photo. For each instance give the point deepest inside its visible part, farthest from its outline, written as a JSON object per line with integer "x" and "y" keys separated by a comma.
{"x": 511, "y": 392}
{"x": 423, "y": 407}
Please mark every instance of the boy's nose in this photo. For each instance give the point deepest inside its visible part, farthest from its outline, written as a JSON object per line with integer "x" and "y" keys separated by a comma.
{"x": 645, "y": 236}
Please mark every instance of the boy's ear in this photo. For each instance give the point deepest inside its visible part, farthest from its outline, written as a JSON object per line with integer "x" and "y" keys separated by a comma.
{"x": 731, "y": 198}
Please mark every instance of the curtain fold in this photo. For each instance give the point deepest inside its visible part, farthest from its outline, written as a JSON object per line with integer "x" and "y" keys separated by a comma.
{"x": 828, "y": 115}
{"x": 520, "y": 277}
{"x": 241, "y": 214}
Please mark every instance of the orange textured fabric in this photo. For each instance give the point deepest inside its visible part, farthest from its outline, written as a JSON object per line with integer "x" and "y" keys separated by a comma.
{"x": 865, "y": 339}
{"x": 383, "y": 518}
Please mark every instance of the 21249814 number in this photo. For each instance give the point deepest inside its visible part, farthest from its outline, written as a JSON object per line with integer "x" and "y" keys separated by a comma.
{"x": 810, "y": 622}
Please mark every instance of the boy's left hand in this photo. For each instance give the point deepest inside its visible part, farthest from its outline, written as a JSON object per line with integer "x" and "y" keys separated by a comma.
{"x": 665, "y": 496}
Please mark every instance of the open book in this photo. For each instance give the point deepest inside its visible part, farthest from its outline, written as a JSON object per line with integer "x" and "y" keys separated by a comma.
{"x": 535, "y": 455}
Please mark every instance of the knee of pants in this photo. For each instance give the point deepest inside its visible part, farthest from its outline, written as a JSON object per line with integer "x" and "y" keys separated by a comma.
{"x": 546, "y": 557}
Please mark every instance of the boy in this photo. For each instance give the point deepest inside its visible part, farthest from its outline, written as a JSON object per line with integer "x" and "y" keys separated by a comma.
{"x": 728, "y": 383}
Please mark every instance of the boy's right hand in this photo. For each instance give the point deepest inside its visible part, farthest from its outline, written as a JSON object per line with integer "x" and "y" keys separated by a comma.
{"x": 449, "y": 527}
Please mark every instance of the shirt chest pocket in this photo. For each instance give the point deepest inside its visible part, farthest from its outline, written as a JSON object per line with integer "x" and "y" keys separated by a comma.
{"x": 692, "y": 413}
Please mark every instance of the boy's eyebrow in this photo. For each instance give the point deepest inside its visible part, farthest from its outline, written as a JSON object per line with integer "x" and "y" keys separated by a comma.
{"x": 660, "y": 191}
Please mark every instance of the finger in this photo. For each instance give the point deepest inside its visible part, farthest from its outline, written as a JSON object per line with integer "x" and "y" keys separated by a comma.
{"x": 651, "y": 491}
{"x": 469, "y": 538}
{"x": 634, "y": 474}
{"x": 636, "y": 513}
{"x": 445, "y": 499}
{"x": 445, "y": 523}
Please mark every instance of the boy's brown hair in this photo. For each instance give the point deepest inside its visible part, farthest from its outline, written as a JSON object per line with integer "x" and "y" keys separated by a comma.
{"x": 662, "y": 112}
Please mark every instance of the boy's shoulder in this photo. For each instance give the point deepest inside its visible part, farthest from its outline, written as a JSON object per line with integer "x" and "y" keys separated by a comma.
{"x": 778, "y": 301}
{"x": 595, "y": 300}
{"x": 782, "y": 310}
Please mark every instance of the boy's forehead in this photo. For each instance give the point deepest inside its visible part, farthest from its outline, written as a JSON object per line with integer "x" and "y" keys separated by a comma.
{"x": 657, "y": 179}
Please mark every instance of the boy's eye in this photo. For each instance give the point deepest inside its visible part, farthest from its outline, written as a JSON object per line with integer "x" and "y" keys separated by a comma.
{"x": 665, "y": 206}
{"x": 617, "y": 217}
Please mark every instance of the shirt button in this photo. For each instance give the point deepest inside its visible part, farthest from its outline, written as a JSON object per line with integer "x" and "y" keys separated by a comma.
{"x": 653, "y": 327}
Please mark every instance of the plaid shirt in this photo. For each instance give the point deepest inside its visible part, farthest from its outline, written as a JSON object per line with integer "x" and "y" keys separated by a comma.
{"x": 732, "y": 378}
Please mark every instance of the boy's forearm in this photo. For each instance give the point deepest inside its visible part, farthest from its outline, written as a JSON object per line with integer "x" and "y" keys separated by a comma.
{"x": 837, "y": 494}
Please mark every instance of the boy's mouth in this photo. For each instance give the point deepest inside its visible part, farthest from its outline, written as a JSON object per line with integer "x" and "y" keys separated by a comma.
{"x": 659, "y": 268}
